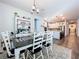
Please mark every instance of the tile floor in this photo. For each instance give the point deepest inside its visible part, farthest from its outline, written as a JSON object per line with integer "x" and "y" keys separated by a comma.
{"x": 71, "y": 42}
{"x": 59, "y": 52}
{"x": 66, "y": 48}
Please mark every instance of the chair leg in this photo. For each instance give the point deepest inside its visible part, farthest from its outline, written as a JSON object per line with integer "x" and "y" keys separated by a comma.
{"x": 27, "y": 55}
{"x": 47, "y": 52}
{"x": 42, "y": 54}
{"x": 33, "y": 56}
{"x": 23, "y": 56}
{"x": 51, "y": 49}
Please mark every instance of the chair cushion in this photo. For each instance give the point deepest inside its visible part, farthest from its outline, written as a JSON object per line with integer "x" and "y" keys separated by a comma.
{"x": 30, "y": 48}
{"x": 22, "y": 51}
{"x": 44, "y": 43}
{"x": 47, "y": 45}
{"x": 12, "y": 51}
{"x": 36, "y": 50}
{"x": 4, "y": 48}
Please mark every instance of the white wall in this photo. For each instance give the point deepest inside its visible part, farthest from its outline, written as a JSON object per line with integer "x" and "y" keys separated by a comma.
{"x": 78, "y": 27}
{"x": 66, "y": 28}
{"x": 7, "y": 17}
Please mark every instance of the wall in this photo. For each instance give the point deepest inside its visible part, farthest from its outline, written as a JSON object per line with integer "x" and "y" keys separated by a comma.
{"x": 66, "y": 28}
{"x": 7, "y": 17}
{"x": 78, "y": 27}
{"x": 38, "y": 23}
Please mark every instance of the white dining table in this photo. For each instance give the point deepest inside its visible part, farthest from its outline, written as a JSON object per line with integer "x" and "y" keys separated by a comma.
{"x": 17, "y": 50}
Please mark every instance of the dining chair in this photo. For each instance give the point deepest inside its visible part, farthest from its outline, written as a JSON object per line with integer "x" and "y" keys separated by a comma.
{"x": 9, "y": 49}
{"x": 37, "y": 46}
{"x": 49, "y": 42}
{"x": 6, "y": 39}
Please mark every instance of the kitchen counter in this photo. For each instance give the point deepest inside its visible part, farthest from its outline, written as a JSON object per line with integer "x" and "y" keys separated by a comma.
{"x": 57, "y": 34}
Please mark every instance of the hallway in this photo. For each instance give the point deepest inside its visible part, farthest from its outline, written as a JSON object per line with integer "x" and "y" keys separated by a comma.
{"x": 71, "y": 42}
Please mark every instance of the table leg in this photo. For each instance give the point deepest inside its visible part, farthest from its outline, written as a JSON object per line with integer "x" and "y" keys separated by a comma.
{"x": 17, "y": 54}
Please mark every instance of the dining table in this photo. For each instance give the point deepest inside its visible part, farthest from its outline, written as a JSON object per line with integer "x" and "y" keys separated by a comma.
{"x": 23, "y": 43}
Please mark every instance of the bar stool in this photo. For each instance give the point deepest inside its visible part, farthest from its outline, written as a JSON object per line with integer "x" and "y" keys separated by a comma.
{"x": 37, "y": 46}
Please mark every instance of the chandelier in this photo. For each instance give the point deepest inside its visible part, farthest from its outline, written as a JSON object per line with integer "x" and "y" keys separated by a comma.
{"x": 34, "y": 8}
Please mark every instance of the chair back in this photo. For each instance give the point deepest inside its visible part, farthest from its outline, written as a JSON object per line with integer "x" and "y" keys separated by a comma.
{"x": 6, "y": 39}
{"x": 49, "y": 38}
{"x": 37, "y": 41}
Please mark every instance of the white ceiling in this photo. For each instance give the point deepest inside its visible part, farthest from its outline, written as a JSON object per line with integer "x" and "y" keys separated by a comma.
{"x": 48, "y": 7}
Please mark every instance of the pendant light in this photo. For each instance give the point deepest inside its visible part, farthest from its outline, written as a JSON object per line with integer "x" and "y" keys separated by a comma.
{"x": 34, "y": 8}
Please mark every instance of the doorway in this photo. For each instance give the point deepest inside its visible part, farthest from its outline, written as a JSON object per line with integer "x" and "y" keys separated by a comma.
{"x": 72, "y": 28}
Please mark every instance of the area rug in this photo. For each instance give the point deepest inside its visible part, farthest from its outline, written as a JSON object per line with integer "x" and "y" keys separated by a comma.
{"x": 60, "y": 52}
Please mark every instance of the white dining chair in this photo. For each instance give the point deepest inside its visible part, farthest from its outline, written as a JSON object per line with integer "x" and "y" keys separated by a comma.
{"x": 9, "y": 49}
{"x": 49, "y": 43}
{"x": 6, "y": 39}
{"x": 37, "y": 46}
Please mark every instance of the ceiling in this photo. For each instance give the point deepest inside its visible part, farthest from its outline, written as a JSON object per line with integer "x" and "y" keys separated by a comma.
{"x": 48, "y": 8}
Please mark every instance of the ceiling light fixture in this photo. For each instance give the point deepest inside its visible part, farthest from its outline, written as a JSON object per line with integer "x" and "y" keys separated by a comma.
{"x": 34, "y": 8}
